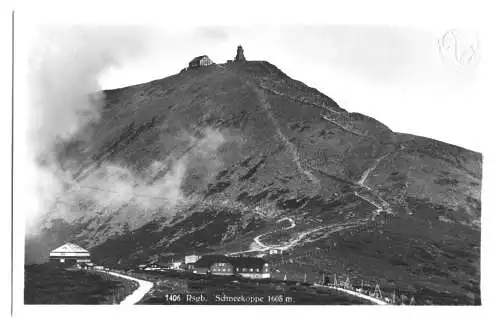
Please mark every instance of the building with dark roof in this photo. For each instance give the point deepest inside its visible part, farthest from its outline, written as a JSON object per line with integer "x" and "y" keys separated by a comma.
{"x": 213, "y": 264}
{"x": 250, "y": 267}
{"x": 200, "y": 61}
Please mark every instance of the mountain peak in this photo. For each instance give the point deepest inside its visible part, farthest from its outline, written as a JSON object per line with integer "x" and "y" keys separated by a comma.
{"x": 215, "y": 156}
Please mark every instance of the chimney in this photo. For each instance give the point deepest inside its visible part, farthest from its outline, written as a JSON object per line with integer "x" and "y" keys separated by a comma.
{"x": 239, "y": 54}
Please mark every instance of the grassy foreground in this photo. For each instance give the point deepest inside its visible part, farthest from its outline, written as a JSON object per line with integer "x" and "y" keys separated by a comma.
{"x": 45, "y": 284}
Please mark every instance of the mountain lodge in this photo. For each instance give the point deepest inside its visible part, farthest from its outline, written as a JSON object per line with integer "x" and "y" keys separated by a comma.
{"x": 200, "y": 61}
{"x": 69, "y": 254}
{"x": 249, "y": 267}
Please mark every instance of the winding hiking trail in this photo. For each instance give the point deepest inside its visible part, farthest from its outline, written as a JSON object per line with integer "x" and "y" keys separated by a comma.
{"x": 367, "y": 172}
{"x": 257, "y": 245}
{"x": 382, "y": 205}
{"x": 291, "y": 147}
{"x": 363, "y": 191}
{"x": 139, "y": 293}
{"x": 295, "y": 241}
{"x": 373, "y": 198}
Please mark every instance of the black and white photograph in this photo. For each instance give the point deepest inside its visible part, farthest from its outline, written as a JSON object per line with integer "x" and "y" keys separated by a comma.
{"x": 243, "y": 163}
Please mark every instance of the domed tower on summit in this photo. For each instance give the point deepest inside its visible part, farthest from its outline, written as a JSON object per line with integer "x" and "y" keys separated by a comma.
{"x": 239, "y": 54}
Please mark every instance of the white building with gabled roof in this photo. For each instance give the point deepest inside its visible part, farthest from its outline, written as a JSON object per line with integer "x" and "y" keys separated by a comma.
{"x": 69, "y": 254}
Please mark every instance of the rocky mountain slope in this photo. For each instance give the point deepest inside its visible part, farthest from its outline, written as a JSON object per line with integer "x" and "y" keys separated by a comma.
{"x": 208, "y": 159}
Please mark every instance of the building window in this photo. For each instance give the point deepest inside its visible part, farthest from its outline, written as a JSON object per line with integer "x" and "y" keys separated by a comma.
{"x": 244, "y": 269}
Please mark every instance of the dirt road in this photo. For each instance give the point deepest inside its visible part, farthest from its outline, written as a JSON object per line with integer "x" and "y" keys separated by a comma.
{"x": 139, "y": 293}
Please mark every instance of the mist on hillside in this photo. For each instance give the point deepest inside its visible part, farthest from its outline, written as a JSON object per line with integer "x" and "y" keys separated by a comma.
{"x": 65, "y": 97}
